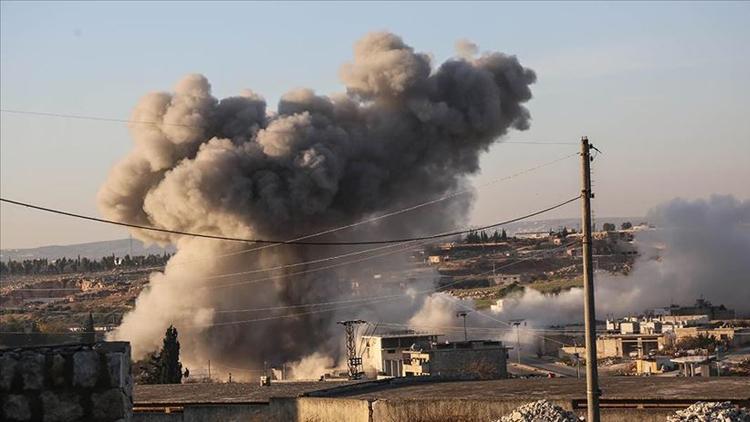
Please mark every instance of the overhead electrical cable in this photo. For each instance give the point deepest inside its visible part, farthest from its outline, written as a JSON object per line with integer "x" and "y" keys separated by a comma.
{"x": 245, "y": 240}
{"x": 388, "y": 214}
{"x": 401, "y": 295}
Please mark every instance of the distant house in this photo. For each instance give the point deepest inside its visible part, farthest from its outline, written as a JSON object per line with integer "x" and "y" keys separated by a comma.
{"x": 504, "y": 279}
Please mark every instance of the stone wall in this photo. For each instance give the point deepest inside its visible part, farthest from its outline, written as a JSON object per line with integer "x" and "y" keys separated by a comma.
{"x": 66, "y": 383}
{"x": 477, "y": 363}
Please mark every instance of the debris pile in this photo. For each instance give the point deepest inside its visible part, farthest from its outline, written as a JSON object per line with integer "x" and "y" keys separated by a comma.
{"x": 711, "y": 411}
{"x": 537, "y": 411}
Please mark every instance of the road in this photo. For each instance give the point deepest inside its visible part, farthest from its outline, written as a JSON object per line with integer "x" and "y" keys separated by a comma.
{"x": 551, "y": 366}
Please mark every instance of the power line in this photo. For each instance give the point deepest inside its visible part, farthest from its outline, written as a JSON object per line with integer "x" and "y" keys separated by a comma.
{"x": 312, "y": 270}
{"x": 388, "y": 214}
{"x": 237, "y": 239}
{"x": 259, "y": 270}
{"x": 314, "y": 261}
{"x": 374, "y": 299}
{"x": 407, "y": 209}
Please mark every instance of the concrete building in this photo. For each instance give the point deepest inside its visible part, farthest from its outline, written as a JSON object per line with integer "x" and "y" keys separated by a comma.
{"x": 695, "y": 366}
{"x": 485, "y": 359}
{"x": 434, "y": 259}
{"x": 704, "y": 307}
{"x": 652, "y": 365}
{"x": 630, "y": 327}
{"x": 730, "y": 335}
{"x": 504, "y": 279}
{"x": 383, "y": 353}
{"x": 623, "y": 345}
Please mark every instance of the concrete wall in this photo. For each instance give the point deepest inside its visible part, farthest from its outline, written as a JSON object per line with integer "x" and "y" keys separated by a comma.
{"x": 319, "y": 409}
{"x": 481, "y": 362}
{"x": 66, "y": 383}
{"x": 219, "y": 413}
{"x": 228, "y": 412}
{"x": 445, "y": 410}
{"x": 323, "y": 409}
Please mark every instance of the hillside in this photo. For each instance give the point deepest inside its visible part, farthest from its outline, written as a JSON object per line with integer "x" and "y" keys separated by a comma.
{"x": 91, "y": 250}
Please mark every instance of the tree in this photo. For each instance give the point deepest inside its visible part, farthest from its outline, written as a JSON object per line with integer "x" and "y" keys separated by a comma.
{"x": 169, "y": 358}
{"x": 504, "y": 236}
{"x": 626, "y": 225}
{"x": 148, "y": 370}
{"x": 89, "y": 334}
{"x": 699, "y": 342}
{"x": 608, "y": 227}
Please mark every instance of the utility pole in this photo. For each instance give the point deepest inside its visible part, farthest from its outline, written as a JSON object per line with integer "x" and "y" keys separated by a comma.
{"x": 517, "y": 323}
{"x": 354, "y": 362}
{"x": 589, "y": 315}
{"x": 463, "y": 314}
{"x": 209, "y": 370}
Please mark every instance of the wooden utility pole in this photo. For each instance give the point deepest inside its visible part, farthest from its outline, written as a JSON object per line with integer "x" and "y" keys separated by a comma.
{"x": 592, "y": 377}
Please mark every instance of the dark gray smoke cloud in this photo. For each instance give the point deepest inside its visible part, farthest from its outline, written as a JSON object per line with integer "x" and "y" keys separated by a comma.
{"x": 404, "y": 132}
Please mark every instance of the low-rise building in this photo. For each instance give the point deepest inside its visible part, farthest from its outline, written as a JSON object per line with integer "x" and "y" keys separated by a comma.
{"x": 630, "y": 327}
{"x": 623, "y": 345}
{"x": 729, "y": 335}
{"x": 504, "y": 279}
{"x": 704, "y": 307}
{"x": 473, "y": 359}
{"x": 653, "y": 365}
{"x": 695, "y": 366}
{"x": 383, "y": 353}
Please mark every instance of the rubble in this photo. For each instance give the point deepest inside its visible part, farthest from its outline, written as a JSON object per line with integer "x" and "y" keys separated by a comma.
{"x": 539, "y": 411}
{"x": 711, "y": 412}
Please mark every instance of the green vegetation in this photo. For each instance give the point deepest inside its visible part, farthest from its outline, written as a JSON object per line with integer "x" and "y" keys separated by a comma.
{"x": 556, "y": 286}
{"x": 483, "y": 237}
{"x": 65, "y": 265}
{"x": 163, "y": 367}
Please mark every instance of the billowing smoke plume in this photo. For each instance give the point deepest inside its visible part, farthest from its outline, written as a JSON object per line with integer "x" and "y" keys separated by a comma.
{"x": 404, "y": 132}
{"x": 699, "y": 248}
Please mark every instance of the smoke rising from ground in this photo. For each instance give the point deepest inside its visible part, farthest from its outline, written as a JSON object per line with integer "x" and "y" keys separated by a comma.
{"x": 699, "y": 248}
{"x": 402, "y": 133}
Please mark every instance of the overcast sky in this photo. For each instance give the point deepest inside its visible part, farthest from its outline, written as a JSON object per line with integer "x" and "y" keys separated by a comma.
{"x": 661, "y": 89}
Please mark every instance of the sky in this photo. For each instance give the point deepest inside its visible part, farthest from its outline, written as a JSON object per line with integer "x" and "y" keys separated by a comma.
{"x": 660, "y": 88}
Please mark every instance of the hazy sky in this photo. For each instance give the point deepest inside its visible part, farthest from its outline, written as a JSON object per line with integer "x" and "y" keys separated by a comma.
{"x": 661, "y": 89}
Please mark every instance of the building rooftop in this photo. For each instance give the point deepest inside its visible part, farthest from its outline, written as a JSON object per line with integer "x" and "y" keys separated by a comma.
{"x": 628, "y": 388}
{"x": 403, "y": 334}
{"x": 632, "y": 388}
{"x": 226, "y": 393}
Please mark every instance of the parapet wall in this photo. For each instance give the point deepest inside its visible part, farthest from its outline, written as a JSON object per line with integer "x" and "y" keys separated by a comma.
{"x": 66, "y": 383}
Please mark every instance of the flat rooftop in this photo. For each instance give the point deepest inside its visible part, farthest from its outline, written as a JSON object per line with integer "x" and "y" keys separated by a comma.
{"x": 403, "y": 335}
{"x": 628, "y": 388}
{"x": 226, "y": 392}
{"x": 622, "y": 388}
